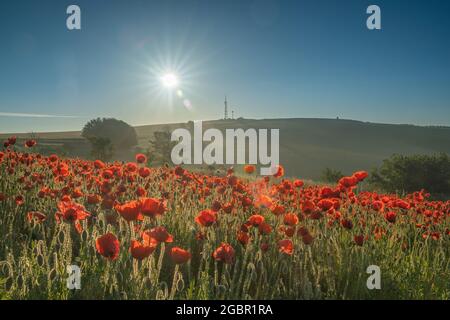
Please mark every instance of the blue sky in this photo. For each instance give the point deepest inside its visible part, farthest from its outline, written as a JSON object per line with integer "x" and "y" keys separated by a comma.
{"x": 300, "y": 58}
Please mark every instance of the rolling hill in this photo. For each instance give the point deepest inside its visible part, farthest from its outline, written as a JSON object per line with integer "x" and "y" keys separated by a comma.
{"x": 307, "y": 146}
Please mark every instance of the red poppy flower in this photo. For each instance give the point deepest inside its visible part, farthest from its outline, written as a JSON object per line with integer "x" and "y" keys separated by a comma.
{"x": 348, "y": 182}
{"x": 140, "y": 250}
{"x": 141, "y": 192}
{"x": 30, "y": 143}
{"x": 152, "y": 207}
{"x": 131, "y": 167}
{"x": 108, "y": 246}
{"x": 391, "y": 216}
{"x": 62, "y": 169}
{"x": 307, "y": 238}
{"x": 290, "y": 219}
{"x": 359, "y": 240}
{"x": 435, "y": 236}
{"x": 255, "y": 220}
{"x": 216, "y": 206}
{"x": 347, "y": 224}
{"x": 316, "y": 215}
{"x": 65, "y": 197}
{"x": 308, "y": 206}
{"x": 141, "y": 158}
{"x": 179, "y": 256}
{"x": 107, "y": 174}
{"x": 70, "y": 211}
{"x": 53, "y": 158}
{"x": 98, "y": 164}
{"x": 179, "y": 171}
{"x": 227, "y": 208}
{"x": 232, "y": 180}
{"x": 298, "y": 183}
{"x": 12, "y": 140}
{"x": 302, "y": 231}
{"x": 224, "y": 253}
{"x": 277, "y": 209}
{"x": 325, "y": 204}
{"x": 288, "y": 231}
{"x": 402, "y": 204}
{"x": 20, "y": 200}
{"x": 129, "y": 211}
{"x": 378, "y": 205}
{"x": 37, "y": 216}
{"x": 160, "y": 234}
{"x": 361, "y": 175}
{"x": 243, "y": 237}
{"x": 280, "y": 171}
{"x": 77, "y": 193}
{"x": 206, "y": 218}
{"x": 249, "y": 169}
{"x": 246, "y": 202}
{"x": 144, "y": 172}
{"x": 286, "y": 246}
{"x": 264, "y": 247}
{"x": 264, "y": 228}
{"x": 264, "y": 201}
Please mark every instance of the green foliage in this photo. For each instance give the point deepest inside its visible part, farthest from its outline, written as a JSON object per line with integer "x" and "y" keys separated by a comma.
{"x": 331, "y": 175}
{"x": 409, "y": 173}
{"x": 102, "y": 148}
{"x": 161, "y": 147}
{"x": 120, "y": 134}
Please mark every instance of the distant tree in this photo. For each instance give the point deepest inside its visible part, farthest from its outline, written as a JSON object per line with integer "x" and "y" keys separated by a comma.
{"x": 161, "y": 147}
{"x": 102, "y": 148}
{"x": 412, "y": 173}
{"x": 331, "y": 175}
{"x": 120, "y": 134}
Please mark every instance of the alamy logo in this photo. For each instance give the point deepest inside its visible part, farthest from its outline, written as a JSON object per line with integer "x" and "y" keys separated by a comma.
{"x": 235, "y": 142}
{"x": 374, "y": 20}
{"x": 73, "y": 21}
{"x": 74, "y": 279}
{"x": 374, "y": 280}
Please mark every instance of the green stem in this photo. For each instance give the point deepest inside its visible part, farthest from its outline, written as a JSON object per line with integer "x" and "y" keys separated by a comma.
{"x": 174, "y": 282}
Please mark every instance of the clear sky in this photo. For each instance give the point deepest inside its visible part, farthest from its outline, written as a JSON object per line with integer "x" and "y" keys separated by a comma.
{"x": 299, "y": 58}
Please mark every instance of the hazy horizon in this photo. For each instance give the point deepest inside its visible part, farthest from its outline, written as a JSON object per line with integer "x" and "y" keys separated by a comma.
{"x": 248, "y": 119}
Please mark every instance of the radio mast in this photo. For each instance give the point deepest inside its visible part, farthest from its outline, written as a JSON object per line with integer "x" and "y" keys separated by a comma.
{"x": 226, "y": 108}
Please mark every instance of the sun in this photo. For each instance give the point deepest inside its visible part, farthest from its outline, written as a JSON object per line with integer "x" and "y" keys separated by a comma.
{"x": 169, "y": 80}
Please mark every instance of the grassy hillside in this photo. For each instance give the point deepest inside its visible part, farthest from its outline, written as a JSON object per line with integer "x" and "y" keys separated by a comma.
{"x": 307, "y": 146}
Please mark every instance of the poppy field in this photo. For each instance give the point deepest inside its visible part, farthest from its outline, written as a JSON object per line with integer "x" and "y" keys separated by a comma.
{"x": 138, "y": 232}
